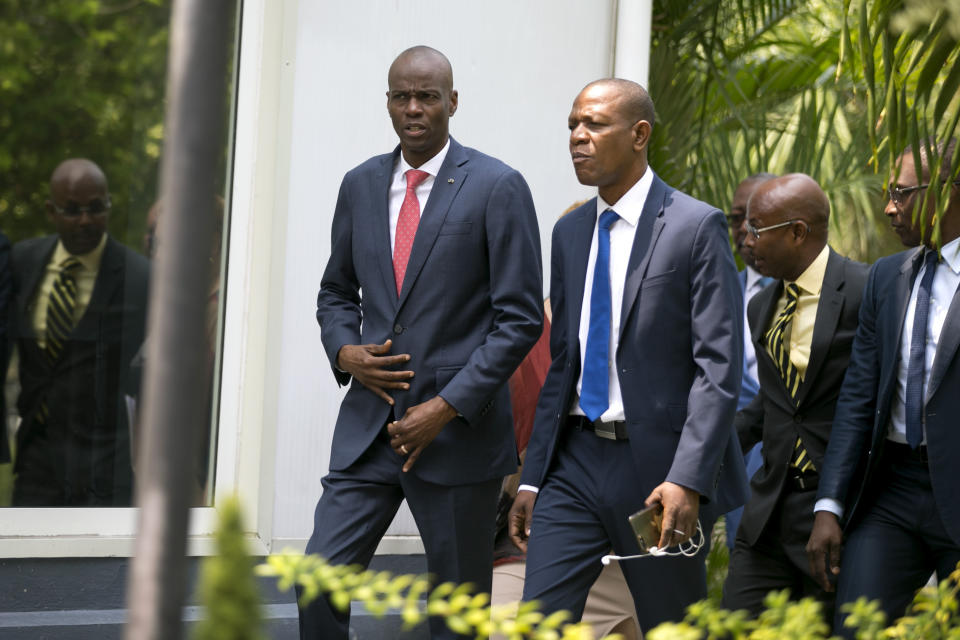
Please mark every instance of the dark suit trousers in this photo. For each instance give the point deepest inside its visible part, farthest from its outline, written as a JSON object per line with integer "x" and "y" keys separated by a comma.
{"x": 358, "y": 504}
{"x": 580, "y": 513}
{"x": 897, "y": 543}
{"x": 778, "y": 560}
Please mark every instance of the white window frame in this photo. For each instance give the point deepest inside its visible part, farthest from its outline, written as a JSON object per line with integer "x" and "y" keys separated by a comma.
{"x": 248, "y": 393}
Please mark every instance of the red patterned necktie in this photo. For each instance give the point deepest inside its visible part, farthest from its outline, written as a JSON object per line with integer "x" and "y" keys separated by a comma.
{"x": 407, "y": 223}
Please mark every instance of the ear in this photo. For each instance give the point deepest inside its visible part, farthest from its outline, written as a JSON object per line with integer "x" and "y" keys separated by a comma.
{"x": 641, "y": 135}
{"x": 453, "y": 102}
{"x": 51, "y": 212}
{"x": 800, "y": 231}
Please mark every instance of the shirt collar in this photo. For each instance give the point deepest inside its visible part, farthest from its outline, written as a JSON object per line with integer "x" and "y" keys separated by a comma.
{"x": 90, "y": 261}
{"x": 811, "y": 280}
{"x": 753, "y": 277}
{"x": 630, "y": 205}
{"x": 431, "y": 166}
{"x": 950, "y": 253}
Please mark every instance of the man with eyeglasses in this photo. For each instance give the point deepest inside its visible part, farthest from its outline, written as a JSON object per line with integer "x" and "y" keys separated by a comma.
{"x": 78, "y": 319}
{"x": 751, "y": 282}
{"x": 802, "y": 329}
{"x": 889, "y": 481}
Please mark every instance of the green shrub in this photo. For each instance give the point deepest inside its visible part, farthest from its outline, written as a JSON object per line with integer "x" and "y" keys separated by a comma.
{"x": 228, "y": 588}
{"x": 933, "y": 616}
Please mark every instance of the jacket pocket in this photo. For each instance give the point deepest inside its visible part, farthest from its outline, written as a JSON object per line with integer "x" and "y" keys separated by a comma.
{"x": 455, "y": 228}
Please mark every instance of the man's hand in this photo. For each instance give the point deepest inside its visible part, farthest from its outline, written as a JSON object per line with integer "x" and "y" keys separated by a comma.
{"x": 410, "y": 435}
{"x": 680, "y": 509}
{"x": 368, "y": 364}
{"x": 521, "y": 514}
{"x": 824, "y": 546}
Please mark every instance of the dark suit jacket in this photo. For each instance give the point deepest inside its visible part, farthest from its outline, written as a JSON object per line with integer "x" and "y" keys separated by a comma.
{"x": 863, "y": 411}
{"x": 470, "y": 309}
{"x": 82, "y": 453}
{"x": 777, "y": 419}
{"x": 680, "y": 354}
{"x": 6, "y": 297}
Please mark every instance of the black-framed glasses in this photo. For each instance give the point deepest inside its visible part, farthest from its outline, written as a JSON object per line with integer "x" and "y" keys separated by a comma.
{"x": 752, "y": 230}
{"x": 73, "y": 210}
{"x": 898, "y": 195}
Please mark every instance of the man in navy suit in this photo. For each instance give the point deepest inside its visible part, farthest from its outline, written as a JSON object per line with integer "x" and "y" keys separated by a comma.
{"x": 638, "y": 403}
{"x": 889, "y": 474}
{"x": 427, "y": 317}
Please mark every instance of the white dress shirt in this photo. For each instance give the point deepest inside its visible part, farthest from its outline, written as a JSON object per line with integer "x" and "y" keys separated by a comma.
{"x": 398, "y": 186}
{"x": 622, "y": 232}
{"x": 942, "y": 290}
{"x": 753, "y": 286}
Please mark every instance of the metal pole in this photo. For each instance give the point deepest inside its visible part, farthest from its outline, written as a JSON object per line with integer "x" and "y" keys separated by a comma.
{"x": 173, "y": 408}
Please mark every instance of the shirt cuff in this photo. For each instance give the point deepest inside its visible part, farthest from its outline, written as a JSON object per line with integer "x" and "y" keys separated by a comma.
{"x": 829, "y": 504}
{"x": 528, "y": 487}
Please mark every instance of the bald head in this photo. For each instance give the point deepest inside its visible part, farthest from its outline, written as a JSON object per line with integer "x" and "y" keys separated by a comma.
{"x": 796, "y": 195}
{"x": 78, "y": 205}
{"x": 76, "y": 171}
{"x": 633, "y": 101}
{"x": 792, "y": 212}
{"x": 423, "y": 56}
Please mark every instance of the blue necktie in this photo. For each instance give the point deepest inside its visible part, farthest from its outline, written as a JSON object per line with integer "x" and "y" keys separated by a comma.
{"x": 918, "y": 348}
{"x": 595, "y": 390}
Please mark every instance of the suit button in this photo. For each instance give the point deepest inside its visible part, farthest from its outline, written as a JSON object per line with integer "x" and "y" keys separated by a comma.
{"x": 397, "y": 329}
{"x": 798, "y": 418}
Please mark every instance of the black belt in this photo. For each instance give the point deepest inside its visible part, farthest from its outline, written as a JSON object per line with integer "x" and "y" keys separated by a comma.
{"x": 799, "y": 481}
{"x": 905, "y": 453}
{"x": 609, "y": 430}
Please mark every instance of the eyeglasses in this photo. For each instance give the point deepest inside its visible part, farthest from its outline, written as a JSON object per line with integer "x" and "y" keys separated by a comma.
{"x": 898, "y": 195}
{"x": 752, "y": 230}
{"x": 734, "y": 220}
{"x": 74, "y": 210}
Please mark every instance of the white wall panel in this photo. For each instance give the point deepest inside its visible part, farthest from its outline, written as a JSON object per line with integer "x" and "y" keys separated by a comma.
{"x": 517, "y": 67}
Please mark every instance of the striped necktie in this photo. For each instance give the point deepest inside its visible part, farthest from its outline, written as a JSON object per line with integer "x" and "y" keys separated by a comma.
{"x": 777, "y": 349}
{"x": 60, "y": 308}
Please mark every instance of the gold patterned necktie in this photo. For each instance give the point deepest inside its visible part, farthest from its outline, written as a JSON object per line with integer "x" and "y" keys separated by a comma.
{"x": 60, "y": 308}
{"x": 777, "y": 349}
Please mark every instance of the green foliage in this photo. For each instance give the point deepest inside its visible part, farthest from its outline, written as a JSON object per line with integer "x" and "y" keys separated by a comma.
{"x": 81, "y": 78}
{"x": 933, "y": 616}
{"x": 465, "y": 612}
{"x": 717, "y": 561}
{"x": 905, "y": 56}
{"x": 751, "y": 86}
{"x": 228, "y": 589}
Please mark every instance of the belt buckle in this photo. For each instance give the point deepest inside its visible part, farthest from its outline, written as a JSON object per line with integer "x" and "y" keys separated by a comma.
{"x": 605, "y": 429}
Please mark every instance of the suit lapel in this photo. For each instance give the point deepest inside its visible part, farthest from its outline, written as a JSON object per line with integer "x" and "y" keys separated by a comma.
{"x": 579, "y": 256}
{"x": 34, "y": 269}
{"x": 447, "y": 184}
{"x": 903, "y": 286}
{"x": 648, "y": 231}
{"x": 829, "y": 309}
{"x": 947, "y": 347}
{"x": 109, "y": 278}
{"x": 381, "y": 220}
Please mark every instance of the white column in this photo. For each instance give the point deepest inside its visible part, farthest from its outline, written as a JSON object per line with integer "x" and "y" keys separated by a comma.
{"x": 631, "y": 56}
